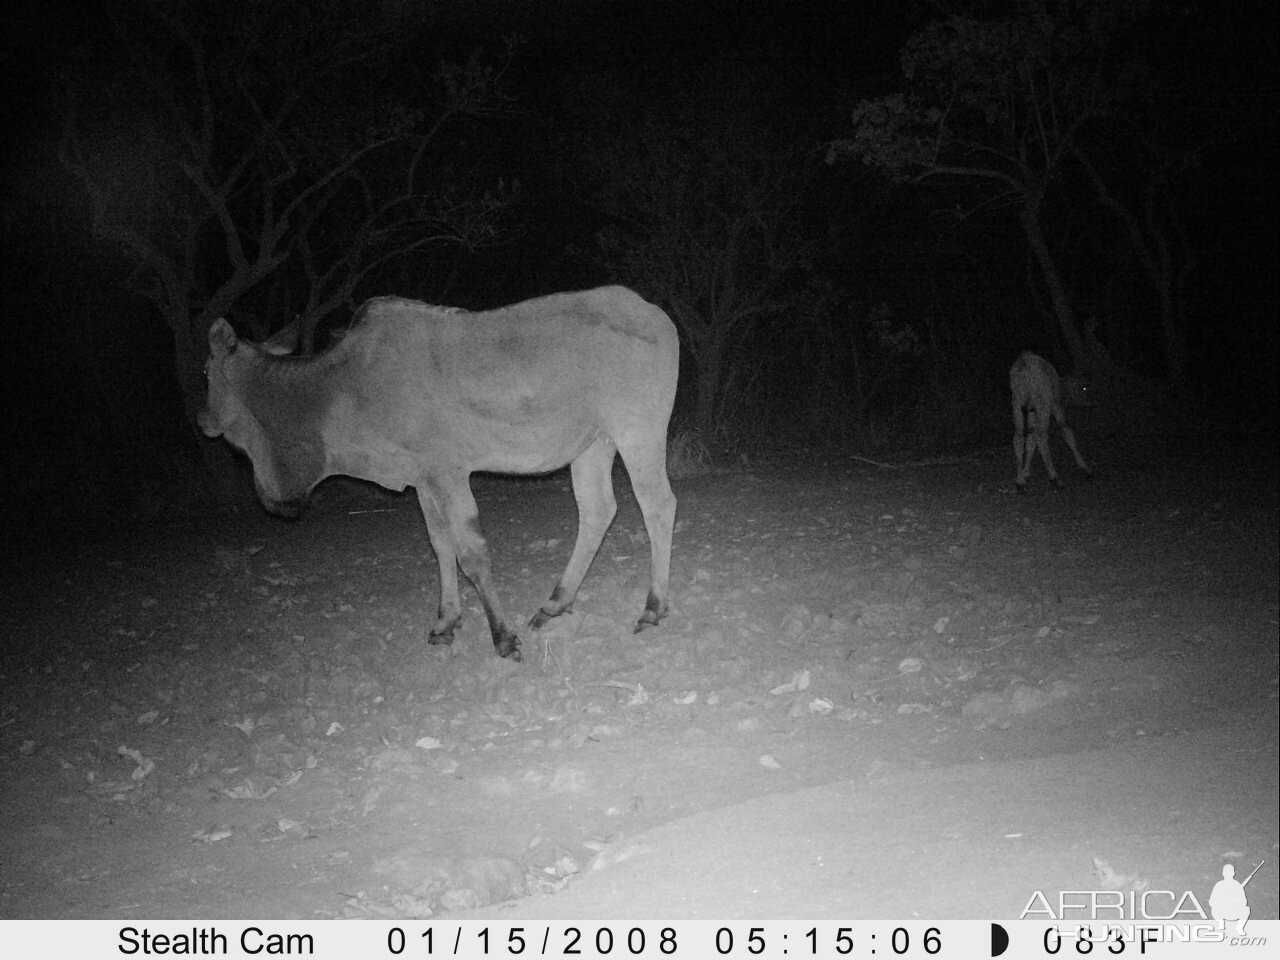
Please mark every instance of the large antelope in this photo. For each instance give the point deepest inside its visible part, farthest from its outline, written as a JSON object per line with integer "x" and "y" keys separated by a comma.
{"x": 1037, "y": 396}
{"x": 422, "y": 396}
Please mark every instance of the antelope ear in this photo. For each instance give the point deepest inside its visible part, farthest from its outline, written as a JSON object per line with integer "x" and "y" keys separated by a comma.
{"x": 222, "y": 339}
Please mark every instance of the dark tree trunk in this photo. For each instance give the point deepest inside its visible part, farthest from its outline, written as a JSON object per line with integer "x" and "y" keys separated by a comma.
{"x": 710, "y": 361}
{"x": 1062, "y": 311}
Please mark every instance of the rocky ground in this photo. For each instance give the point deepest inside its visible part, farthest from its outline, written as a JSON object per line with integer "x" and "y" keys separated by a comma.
{"x": 885, "y": 687}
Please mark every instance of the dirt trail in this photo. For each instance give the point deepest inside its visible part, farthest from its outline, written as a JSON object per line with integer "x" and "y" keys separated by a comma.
{"x": 879, "y": 691}
{"x": 971, "y": 841}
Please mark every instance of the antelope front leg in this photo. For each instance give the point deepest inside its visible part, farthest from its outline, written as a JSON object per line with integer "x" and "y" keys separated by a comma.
{"x": 449, "y": 609}
{"x": 473, "y": 557}
{"x": 1040, "y": 439}
{"x": 1021, "y": 452}
{"x": 1069, "y": 435}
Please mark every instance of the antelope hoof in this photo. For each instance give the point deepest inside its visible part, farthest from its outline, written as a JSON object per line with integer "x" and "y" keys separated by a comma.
{"x": 539, "y": 619}
{"x": 648, "y": 619}
{"x": 507, "y": 646}
{"x": 441, "y": 634}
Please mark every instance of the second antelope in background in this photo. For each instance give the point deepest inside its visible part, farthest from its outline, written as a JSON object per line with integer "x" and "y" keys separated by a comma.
{"x": 1037, "y": 397}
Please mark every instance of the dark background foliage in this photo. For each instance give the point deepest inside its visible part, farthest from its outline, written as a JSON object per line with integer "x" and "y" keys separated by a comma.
{"x": 805, "y": 209}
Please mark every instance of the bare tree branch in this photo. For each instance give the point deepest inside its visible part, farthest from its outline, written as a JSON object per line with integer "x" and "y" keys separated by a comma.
{"x": 265, "y": 140}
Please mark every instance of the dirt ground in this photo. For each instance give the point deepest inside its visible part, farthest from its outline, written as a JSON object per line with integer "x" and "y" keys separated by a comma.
{"x": 881, "y": 691}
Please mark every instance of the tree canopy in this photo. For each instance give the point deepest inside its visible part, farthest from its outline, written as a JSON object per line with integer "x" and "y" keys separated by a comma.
{"x": 1019, "y": 105}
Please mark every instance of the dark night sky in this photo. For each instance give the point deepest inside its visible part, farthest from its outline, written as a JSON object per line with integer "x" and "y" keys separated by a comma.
{"x": 823, "y": 56}
{"x": 824, "y": 51}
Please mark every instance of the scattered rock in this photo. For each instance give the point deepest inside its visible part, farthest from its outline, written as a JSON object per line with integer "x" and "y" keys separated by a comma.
{"x": 1026, "y": 700}
{"x": 985, "y": 705}
{"x": 569, "y": 780}
{"x": 391, "y": 757}
{"x": 461, "y": 883}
